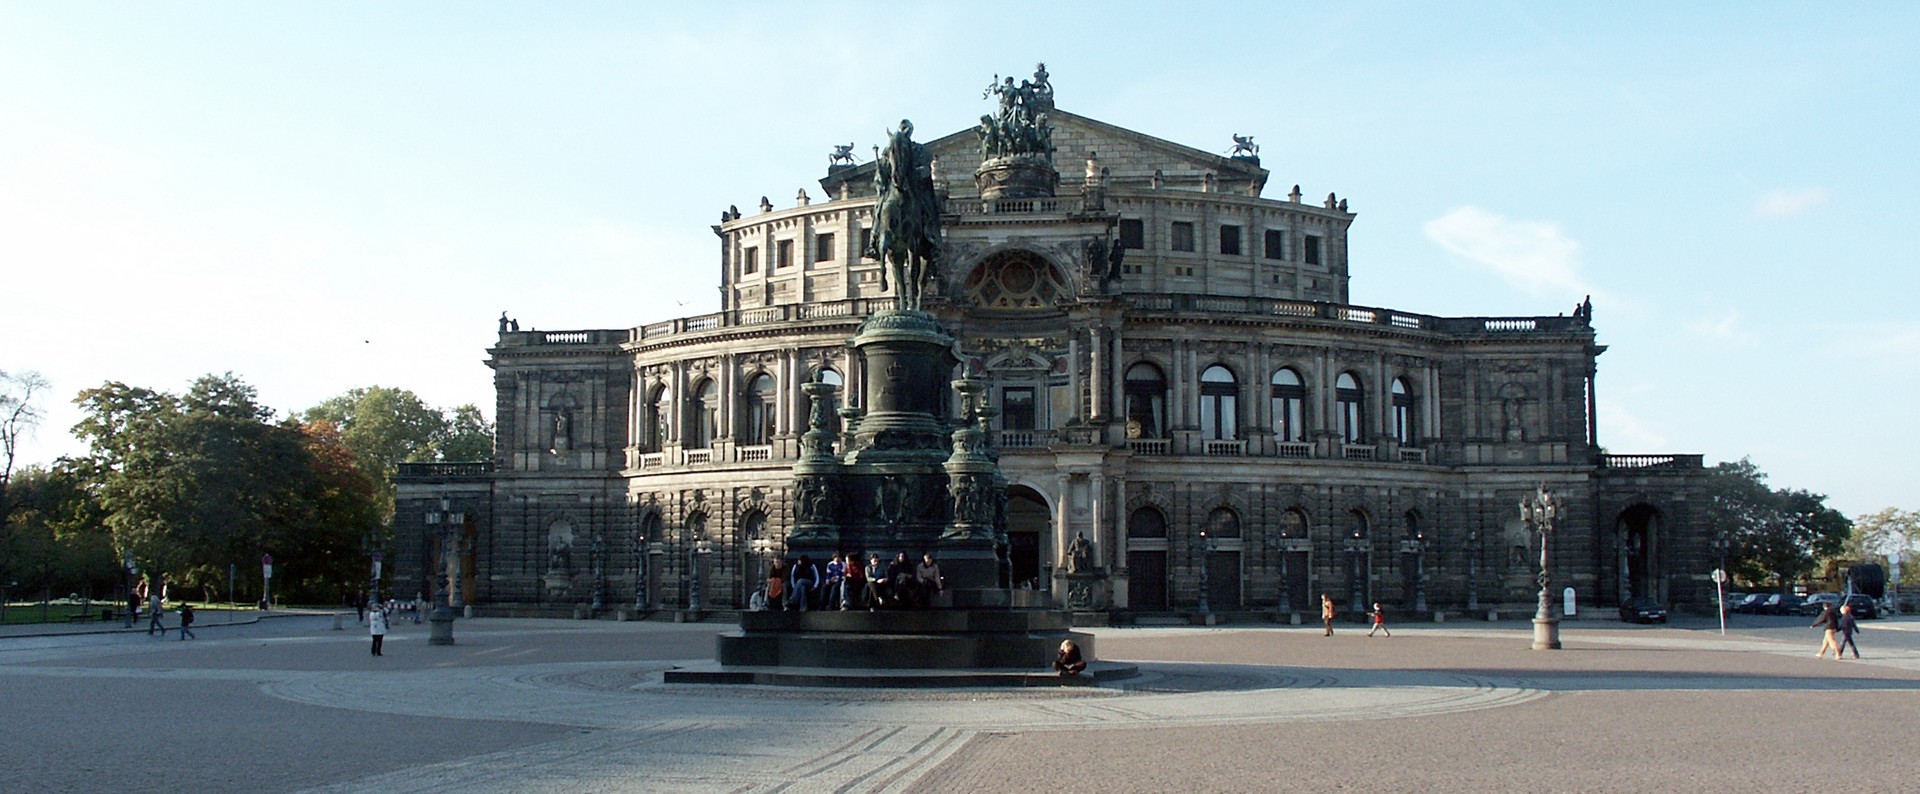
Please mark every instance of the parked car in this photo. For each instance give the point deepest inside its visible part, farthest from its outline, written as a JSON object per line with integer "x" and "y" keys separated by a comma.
{"x": 1864, "y": 608}
{"x": 1751, "y": 604}
{"x": 1818, "y": 602}
{"x": 1781, "y": 604}
{"x": 1644, "y": 609}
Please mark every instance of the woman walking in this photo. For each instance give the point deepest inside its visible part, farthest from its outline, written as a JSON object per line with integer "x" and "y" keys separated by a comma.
{"x": 1326, "y": 613}
{"x": 1830, "y": 622}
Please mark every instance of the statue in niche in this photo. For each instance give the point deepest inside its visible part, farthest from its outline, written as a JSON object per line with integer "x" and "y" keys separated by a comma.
{"x": 906, "y": 233}
{"x": 562, "y": 430}
{"x": 1080, "y": 554}
{"x": 560, "y": 558}
{"x": 1512, "y": 421}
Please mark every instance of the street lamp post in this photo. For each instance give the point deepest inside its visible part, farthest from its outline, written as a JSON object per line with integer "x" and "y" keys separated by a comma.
{"x": 1539, "y": 512}
{"x": 126, "y": 586}
{"x": 440, "y": 523}
{"x": 1473, "y": 570}
{"x": 1420, "y": 572}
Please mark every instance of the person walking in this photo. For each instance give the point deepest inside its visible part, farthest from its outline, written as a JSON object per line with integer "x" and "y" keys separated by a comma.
{"x": 1830, "y": 622}
{"x": 1326, "y": 613}
{"x": 186, "y": 623}
{"x": 154, "y": 616}
{"x": 1847, "y": 627}
{"x": 1379, "y": 620}
{"x": 377, "y": 626}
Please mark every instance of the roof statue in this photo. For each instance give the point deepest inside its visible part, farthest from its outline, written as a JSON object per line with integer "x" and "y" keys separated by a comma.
{"x": 906, "y": 232}
{"x": 1243, "y": 146}
{"x": 1021, "y": 126}
{"x": 842, "y": 155}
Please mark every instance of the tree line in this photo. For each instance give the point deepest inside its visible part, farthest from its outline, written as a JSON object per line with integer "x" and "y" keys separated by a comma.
{"x": 186, "y": 485}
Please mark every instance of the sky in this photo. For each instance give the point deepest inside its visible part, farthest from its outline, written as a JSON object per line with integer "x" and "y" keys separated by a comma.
{"x": 322, "y": 196}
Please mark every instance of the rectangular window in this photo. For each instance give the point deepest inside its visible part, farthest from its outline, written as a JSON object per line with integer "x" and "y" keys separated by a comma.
{"x": 1182, "y": 239}
{"x": 866, "y": 242}
{"x": 1133, "y": 233}
{"x": 1016, "y": 408}
{"x": 1276, "y": 244}
{"x": 1310, "y": 249}
{"x": 1229, "y": 241}
{"x": 823, "y": 247}
{"x": 783, "y": 253}
{"x": 750, "y": 260}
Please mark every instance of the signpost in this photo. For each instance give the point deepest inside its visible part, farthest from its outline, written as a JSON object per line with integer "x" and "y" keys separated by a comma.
{"x": 266, "y": 581}
{"x": 1720, "y": 587}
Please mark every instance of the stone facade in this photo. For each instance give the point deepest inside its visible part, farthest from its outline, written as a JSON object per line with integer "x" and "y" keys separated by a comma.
{"x": 1214, "y": 376}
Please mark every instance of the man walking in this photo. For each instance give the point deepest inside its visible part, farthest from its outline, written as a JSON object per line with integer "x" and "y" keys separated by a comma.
{"x": 1847, "y": 627}
{"x": 1326, "y": 613}
{"x": 154, "y": 621}
{"x": 186, "y": 623}
{"x": 377, "y": 626}
{"x": 1379, "y": 616}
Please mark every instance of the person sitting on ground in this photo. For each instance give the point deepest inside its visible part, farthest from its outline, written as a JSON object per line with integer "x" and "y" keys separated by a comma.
{"x": 929, "y": 582}
{"x": 836, "y": 577}
{"x": 900, "y": 582}
{"x": 801, "y": 582}
{"x": 853, "y": 589}
{"x": 1069, "y": 662}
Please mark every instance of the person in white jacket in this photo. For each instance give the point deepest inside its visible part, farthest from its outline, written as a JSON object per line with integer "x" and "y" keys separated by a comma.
{"x": 377, "y": 625}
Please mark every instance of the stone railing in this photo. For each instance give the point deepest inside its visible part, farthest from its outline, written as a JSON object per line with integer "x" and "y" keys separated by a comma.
{"x": 761, "y": 315}
{"x": 1150, "y": 446}
{"x": 1651, "y": 461}
{"x": 459, "y": 469}
{"x": 754, "y": 454}
{"x": 1021, "y": 439}
{"x": 694, "y": 457}
{"x": 542, "y": 338}
{"x": 1223, "y": 448}
{"x": 1356, "y": 451}
{"x": 1358, "y": 315}
{"x": 1293, "y": 449}
{"x": 653, "y": 460}
{"x": 1057, "y": 205}
{"x": 1413, "y": 455}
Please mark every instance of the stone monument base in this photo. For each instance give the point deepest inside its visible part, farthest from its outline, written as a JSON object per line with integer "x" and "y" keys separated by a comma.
{"x": 923, "y": 648}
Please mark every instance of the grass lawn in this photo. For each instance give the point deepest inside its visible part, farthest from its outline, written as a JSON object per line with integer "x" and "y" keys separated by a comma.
{"x": 59, "y": 612}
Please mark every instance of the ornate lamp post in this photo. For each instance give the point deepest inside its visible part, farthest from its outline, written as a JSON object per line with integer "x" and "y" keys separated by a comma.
{"x": 701, "y": 548}
{"x": 1539, "y": 512}
{"x": 1419, "y": 551}
{"x": 1473, "y": 570}
{"x": 441, "y": 523}
{"x": 127, "y": 572}
{"x": 1205, "y": 546}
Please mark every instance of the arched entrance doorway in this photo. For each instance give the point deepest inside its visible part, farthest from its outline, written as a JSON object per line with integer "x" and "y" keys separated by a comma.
{"x": 1028, "y": 524}
{"x": 1637, "y": 536}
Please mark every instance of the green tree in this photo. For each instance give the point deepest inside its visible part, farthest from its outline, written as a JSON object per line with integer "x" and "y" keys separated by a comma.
{"x": 1770, "y": 535}
{"x": 193, "y": 484}
{"x": 56, "y": 541}
{"x": 1875, "y": 535}
{"x": 469, "y": 436}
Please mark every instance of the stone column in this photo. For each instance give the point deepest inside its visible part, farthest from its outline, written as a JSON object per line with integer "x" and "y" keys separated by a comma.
{"x": 1095, "y": 350}
{"x": 1073, "y": 372}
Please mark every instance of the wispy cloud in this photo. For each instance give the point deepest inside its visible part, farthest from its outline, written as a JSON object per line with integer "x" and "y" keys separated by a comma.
{"x": 1624, "y": 432}
{"x": 1725, "y": 329}
{"x": 1783, "y": 202}
{"x": 1532, "y": 256}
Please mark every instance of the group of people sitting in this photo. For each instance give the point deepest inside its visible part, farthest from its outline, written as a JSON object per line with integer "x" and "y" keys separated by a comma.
{"x": 848, "y": 583}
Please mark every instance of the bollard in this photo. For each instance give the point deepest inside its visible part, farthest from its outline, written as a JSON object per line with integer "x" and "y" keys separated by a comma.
{"x": 336, "y": 622}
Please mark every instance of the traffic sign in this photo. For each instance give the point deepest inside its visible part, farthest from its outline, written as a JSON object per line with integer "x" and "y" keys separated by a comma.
{"x": 1719, "y": 576}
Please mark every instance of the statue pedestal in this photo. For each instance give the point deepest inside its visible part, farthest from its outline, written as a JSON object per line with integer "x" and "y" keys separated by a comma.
{"x": 1020, "y": 176}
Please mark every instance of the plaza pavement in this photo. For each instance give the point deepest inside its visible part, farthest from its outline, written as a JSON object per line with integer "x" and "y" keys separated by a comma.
{"x": 288, "y": 704}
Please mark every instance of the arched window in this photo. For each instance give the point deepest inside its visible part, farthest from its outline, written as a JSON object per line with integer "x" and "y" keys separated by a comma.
{"x": 757, "y": 411}
{"x": 828, "y": 375}
{"x": 1352, "y": 403}
{"x": 1293, "y": 523}
{"x": 1219, "y": 404}
{"x": 1223, "y": 523}
{"x": 1146, "y": 523}
{"x": 1359, "y": 528}
{"x": 1146, "y": 391}
{"x": 705, "y": 417}
{"x": 659, "y": 415}
{"x": 1403, "y": 413}
{"x": 1289, "y": 407}
{"x": 652, "y": 529}
{"x": 1414, "y": 532}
